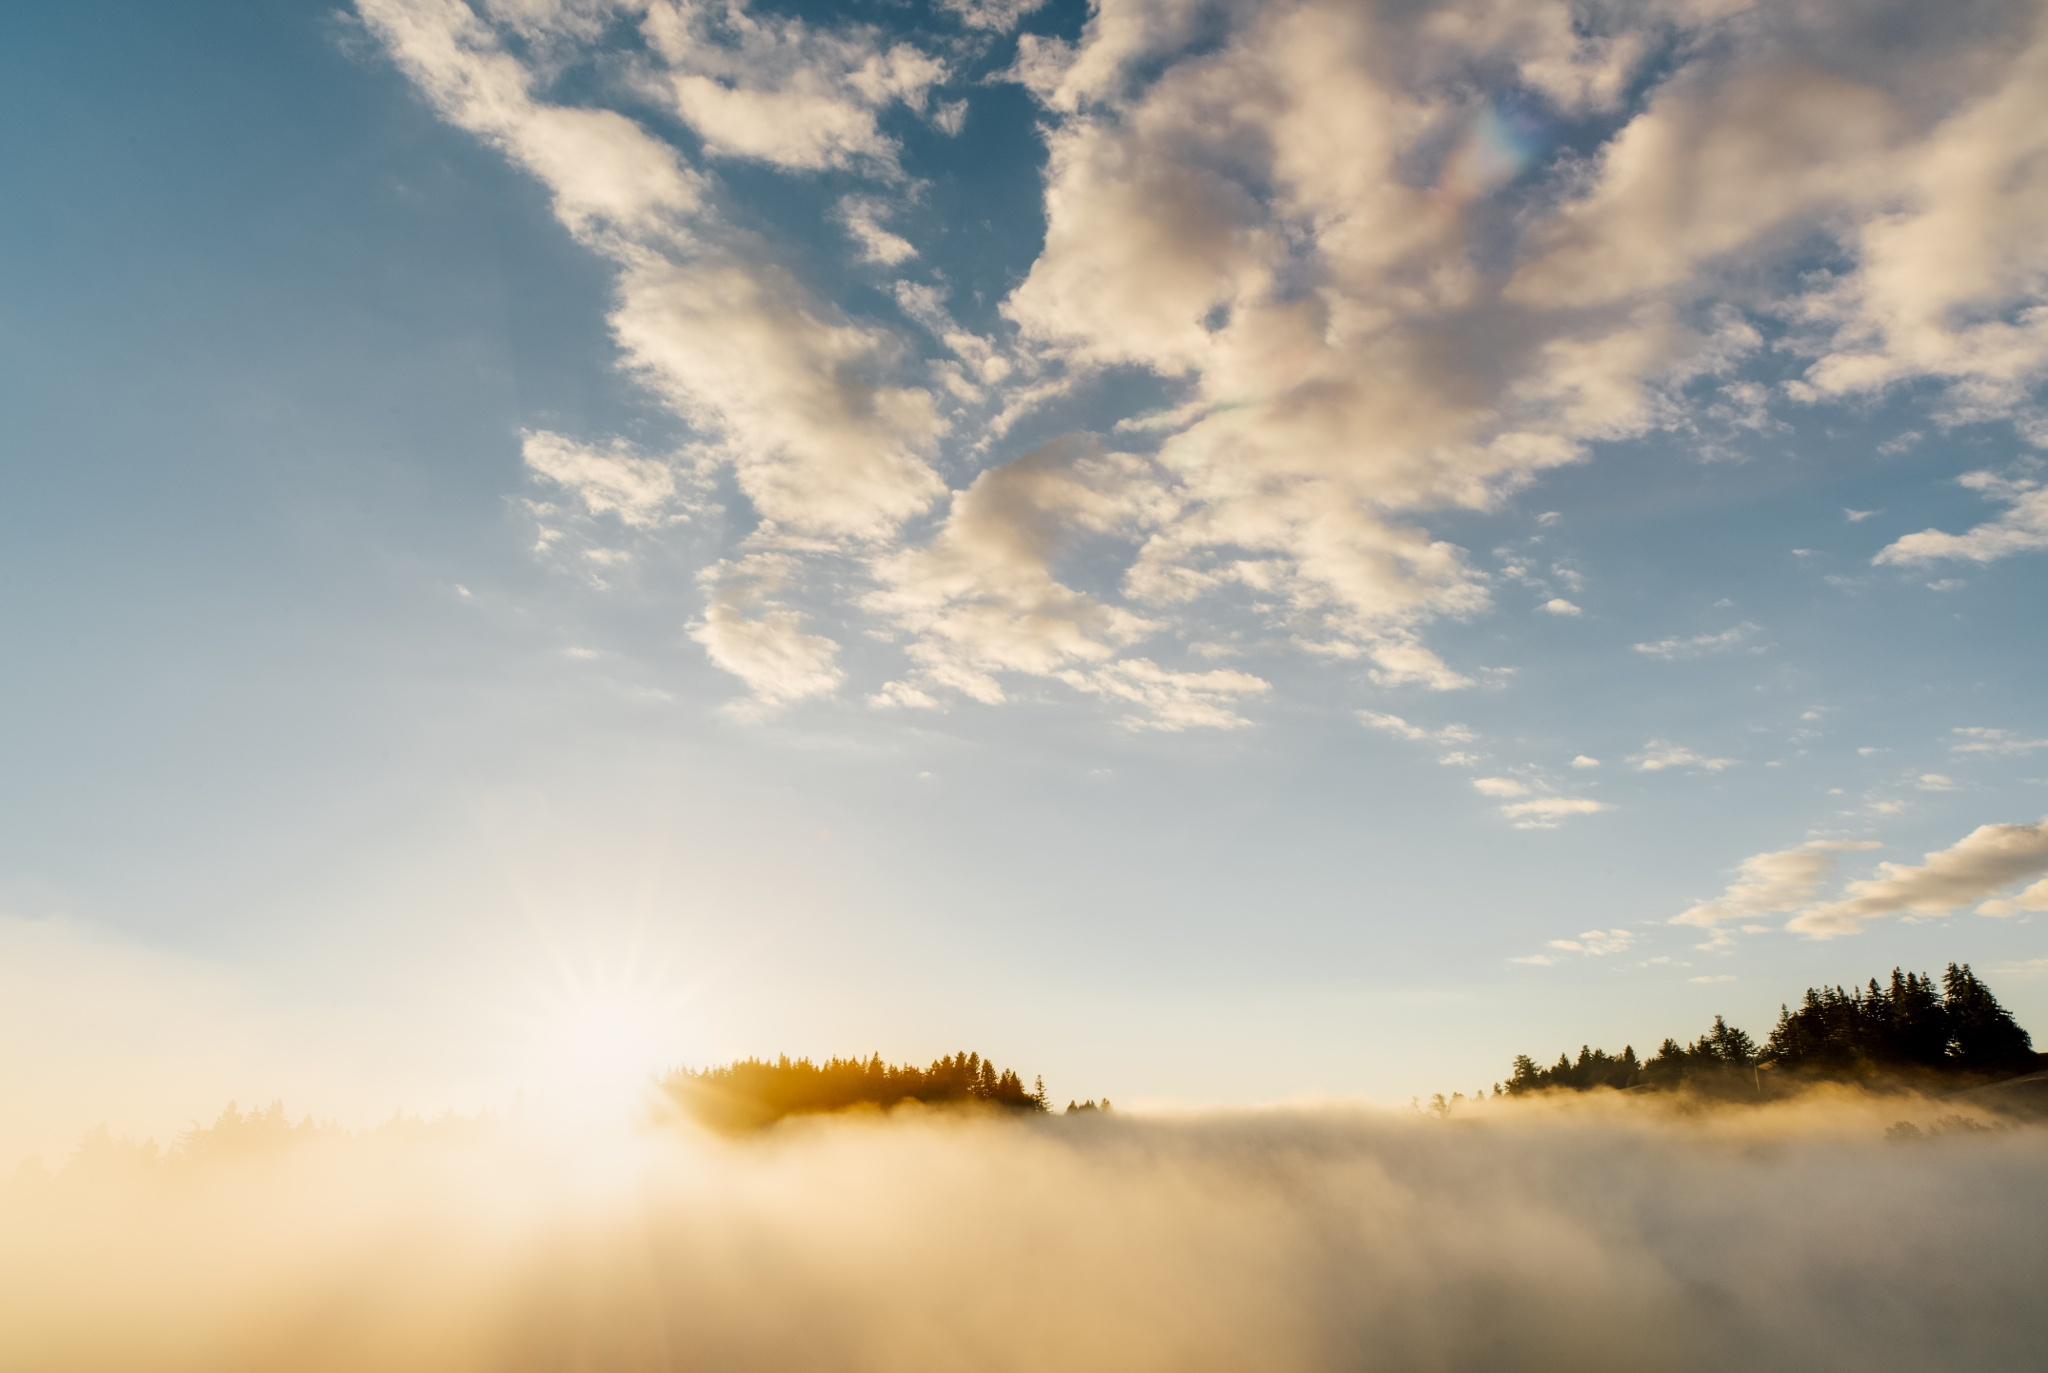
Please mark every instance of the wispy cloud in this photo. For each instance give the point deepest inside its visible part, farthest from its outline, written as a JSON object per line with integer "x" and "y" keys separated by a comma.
{"x": 1699, "y": 645}
{"x": 1548, "y": 812}
{"x": 1997, "y": 742}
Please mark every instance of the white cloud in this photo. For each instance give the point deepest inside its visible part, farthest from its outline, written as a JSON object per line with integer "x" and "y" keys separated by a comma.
{"x": 1548, "y": 812}
{"x": 762, "y": 641}
{"x": 1582, "y": 761}
{"x": 1458, "y": 758}
{"x": 1499, "y": 786}
{"x": 1289, "y": 215}
{"x": 1973, "y": 868}
{"x": 862, "y": 216}
{"x": 1598, "y": 943}
{"x": 1699, "y": 645}
{"x": 981, "y": 598}
{"x": 1661, "y": 754}
{"x": 1395, "y": 725}
{"x": 1934, "y": 781}
{"x": 1769, "y": 883}
{"x": 608, "y": 480}
{"x": 793, "y": 396}
{"x": 999, "y": 16}
{"x": 779, "y": 91}
{"x": 2033, "y": 898}
{"x": 1170, "y": 700}
{"x": 2023, "y": 528}
{"x": 1998, "y": 742}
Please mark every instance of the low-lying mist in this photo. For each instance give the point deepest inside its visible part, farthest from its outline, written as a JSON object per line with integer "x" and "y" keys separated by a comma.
{"x": 1504, "y": 1236}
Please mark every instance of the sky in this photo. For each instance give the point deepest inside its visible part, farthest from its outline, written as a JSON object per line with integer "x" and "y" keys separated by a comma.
{"x": 1215, "y": 552}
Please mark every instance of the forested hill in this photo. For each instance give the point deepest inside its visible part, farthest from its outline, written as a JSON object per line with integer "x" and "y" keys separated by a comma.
{"x": 1911, "y": 1031}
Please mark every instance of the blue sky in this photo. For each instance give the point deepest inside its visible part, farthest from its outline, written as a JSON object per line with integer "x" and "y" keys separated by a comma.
{"x": 668, "y": 509}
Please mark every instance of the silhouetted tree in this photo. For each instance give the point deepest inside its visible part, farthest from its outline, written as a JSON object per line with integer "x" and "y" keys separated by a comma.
{"x": 755, "y": 1092}
{"x": 1909, "y": 1025}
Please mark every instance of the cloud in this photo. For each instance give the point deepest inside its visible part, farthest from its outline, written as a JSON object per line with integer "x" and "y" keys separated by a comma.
{"x": 1660, "y": 755}
{"x": 1582, "y": 761}
{"x": 790, "y": 393}
{"x": 1597, "y": 943}
{"x": 1395, "y": 725}
{"x": 981, "y": 598}
{"x": 1973, "y": 868}
{"x": 1698, "y": 646}
{"x": 1934, "y": 781}
{"x": 1548, "y": 812}
{"x": 1771, "y": 883}
{"x": 606, "y": 480}
{"x": 2023, "y": 528}
{"x": 1998, "y": 742}
{"x": 998, "y": 16}
{"x": 1168, "y": 700}
{"x": 779, "y": 91}
{"x": 862, "y": 216}
{"x": 1373, "y": 286}
{"x": 763, "y": 641}
{"x": 1499, "y": 786}
{"x": 2034, "y": 898}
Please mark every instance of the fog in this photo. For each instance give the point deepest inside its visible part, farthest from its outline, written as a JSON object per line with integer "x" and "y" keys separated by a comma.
{"x": 1503, "y": 1236}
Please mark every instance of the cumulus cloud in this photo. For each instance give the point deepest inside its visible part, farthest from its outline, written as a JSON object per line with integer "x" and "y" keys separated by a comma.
{"x": 1772, "y": 883}
{"x": 982, "y": 597}
{"x": 1558, "y": 605}
{"x": 2023, "y": 528}
{"x": 1976, "y": 866}
{"x": 1699, "y": 645}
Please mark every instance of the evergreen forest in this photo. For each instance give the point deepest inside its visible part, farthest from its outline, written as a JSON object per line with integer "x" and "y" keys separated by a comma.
{"x": 1912, "y": 1031}
{"x": 754, "y": 1092}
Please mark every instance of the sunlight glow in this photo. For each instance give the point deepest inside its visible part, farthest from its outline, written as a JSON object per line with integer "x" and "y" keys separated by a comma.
{"x": 593, "y": 1047}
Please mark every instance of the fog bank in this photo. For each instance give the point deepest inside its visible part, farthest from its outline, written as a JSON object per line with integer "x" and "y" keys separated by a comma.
{"x": 1503, "y": 1237}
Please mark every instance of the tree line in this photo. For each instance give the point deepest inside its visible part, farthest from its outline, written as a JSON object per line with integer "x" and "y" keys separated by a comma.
{"x": 1911, "y": 1029}
{"x": 755, "y": 1092}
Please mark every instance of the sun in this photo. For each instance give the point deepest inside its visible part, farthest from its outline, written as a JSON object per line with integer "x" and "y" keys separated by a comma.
{"x": 593, "y": 1044}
